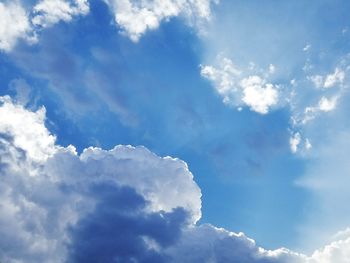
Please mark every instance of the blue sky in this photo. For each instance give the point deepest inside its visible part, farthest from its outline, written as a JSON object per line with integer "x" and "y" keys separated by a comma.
{"x": 251, "y": 95}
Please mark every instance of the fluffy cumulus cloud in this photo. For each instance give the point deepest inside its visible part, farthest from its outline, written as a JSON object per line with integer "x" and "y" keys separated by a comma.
{"x": 136, "y": 17}
{"x": 327, "y": 104}
{"x": 122, "y": 205}
{"x": 119, "y": 230}
{"x": 27, "y": 130}
{"x": 14, "y": 24}
{"x": 337, "y": 251}
{"x": 51, "y": 196}
{"x": 207, "y": 243}
{"x": 258, "y": 95}
{"x": 19, "y": 23}
{"x": 239, "y": 89}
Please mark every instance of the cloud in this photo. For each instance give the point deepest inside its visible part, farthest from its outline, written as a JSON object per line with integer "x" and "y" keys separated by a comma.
{"x": 272, "y": 68}
{"x": 18, "y": 23}
{"x": 207, "y": 243}
{"x": 317, "y": 80}
{"x": 238, "y": 89}
{"x": 137, "y": 17}
{"x": 330, "y": 80}
{"x": 307, "y": 48}
{"x": 324, "y": 105}
{"x": 223, "y": 78}
{"x": 327, "y": 104}
{"x": 294, "y": 142}
{"x": 49, "y": 12}
{"x": 165, "y": 182}
{"x": 311, "y": 105}
{"x": 125, "y": 204}
{"x": 119, "y": 229}
{"x": 14, "y": 24}
{"x": 337, "y": 251}
{"x": 298, "y": 143}
{"x": 336, "y": 78}
{"x": 258, "y": 95}
{"x": 46, "y": 189}
{"x": 27, "y": 129}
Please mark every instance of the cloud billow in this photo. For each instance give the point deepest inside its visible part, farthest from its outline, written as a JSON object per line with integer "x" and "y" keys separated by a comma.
{"x": 122, "y": 205}
{"x": 119, "y": 229}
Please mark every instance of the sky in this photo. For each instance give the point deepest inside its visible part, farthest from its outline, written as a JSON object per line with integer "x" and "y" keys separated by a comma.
{"x": 174, "y": 131}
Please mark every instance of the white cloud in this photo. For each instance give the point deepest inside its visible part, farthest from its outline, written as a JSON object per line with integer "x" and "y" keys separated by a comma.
{"x": 14, "y": 24}
{"x": 137, "y": 17}
{"x": 330, "y": 80}
{"x": 307, "y": 48}
{"x": 27, "y": 128}
{"x": 298, "y": 144}
{"x": 50, "y": 12}
{"x": 252, "y": 91}
{"x": 317, "y": 80}
{"x": 258, "y": 95}
{"x": 42, "y": 184}
{"x": 327, "y": 104}
{"x": 310, "y": 105}
{"x": 224, "y": 78}
{"x": 338, "y": 252}
{"x": 165, "y": 182}
{"x": 308, "y": 144}
{"x": 294, "y": 141}
{"x": 323, "y": 105}
{"x": 333, "y": 79}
